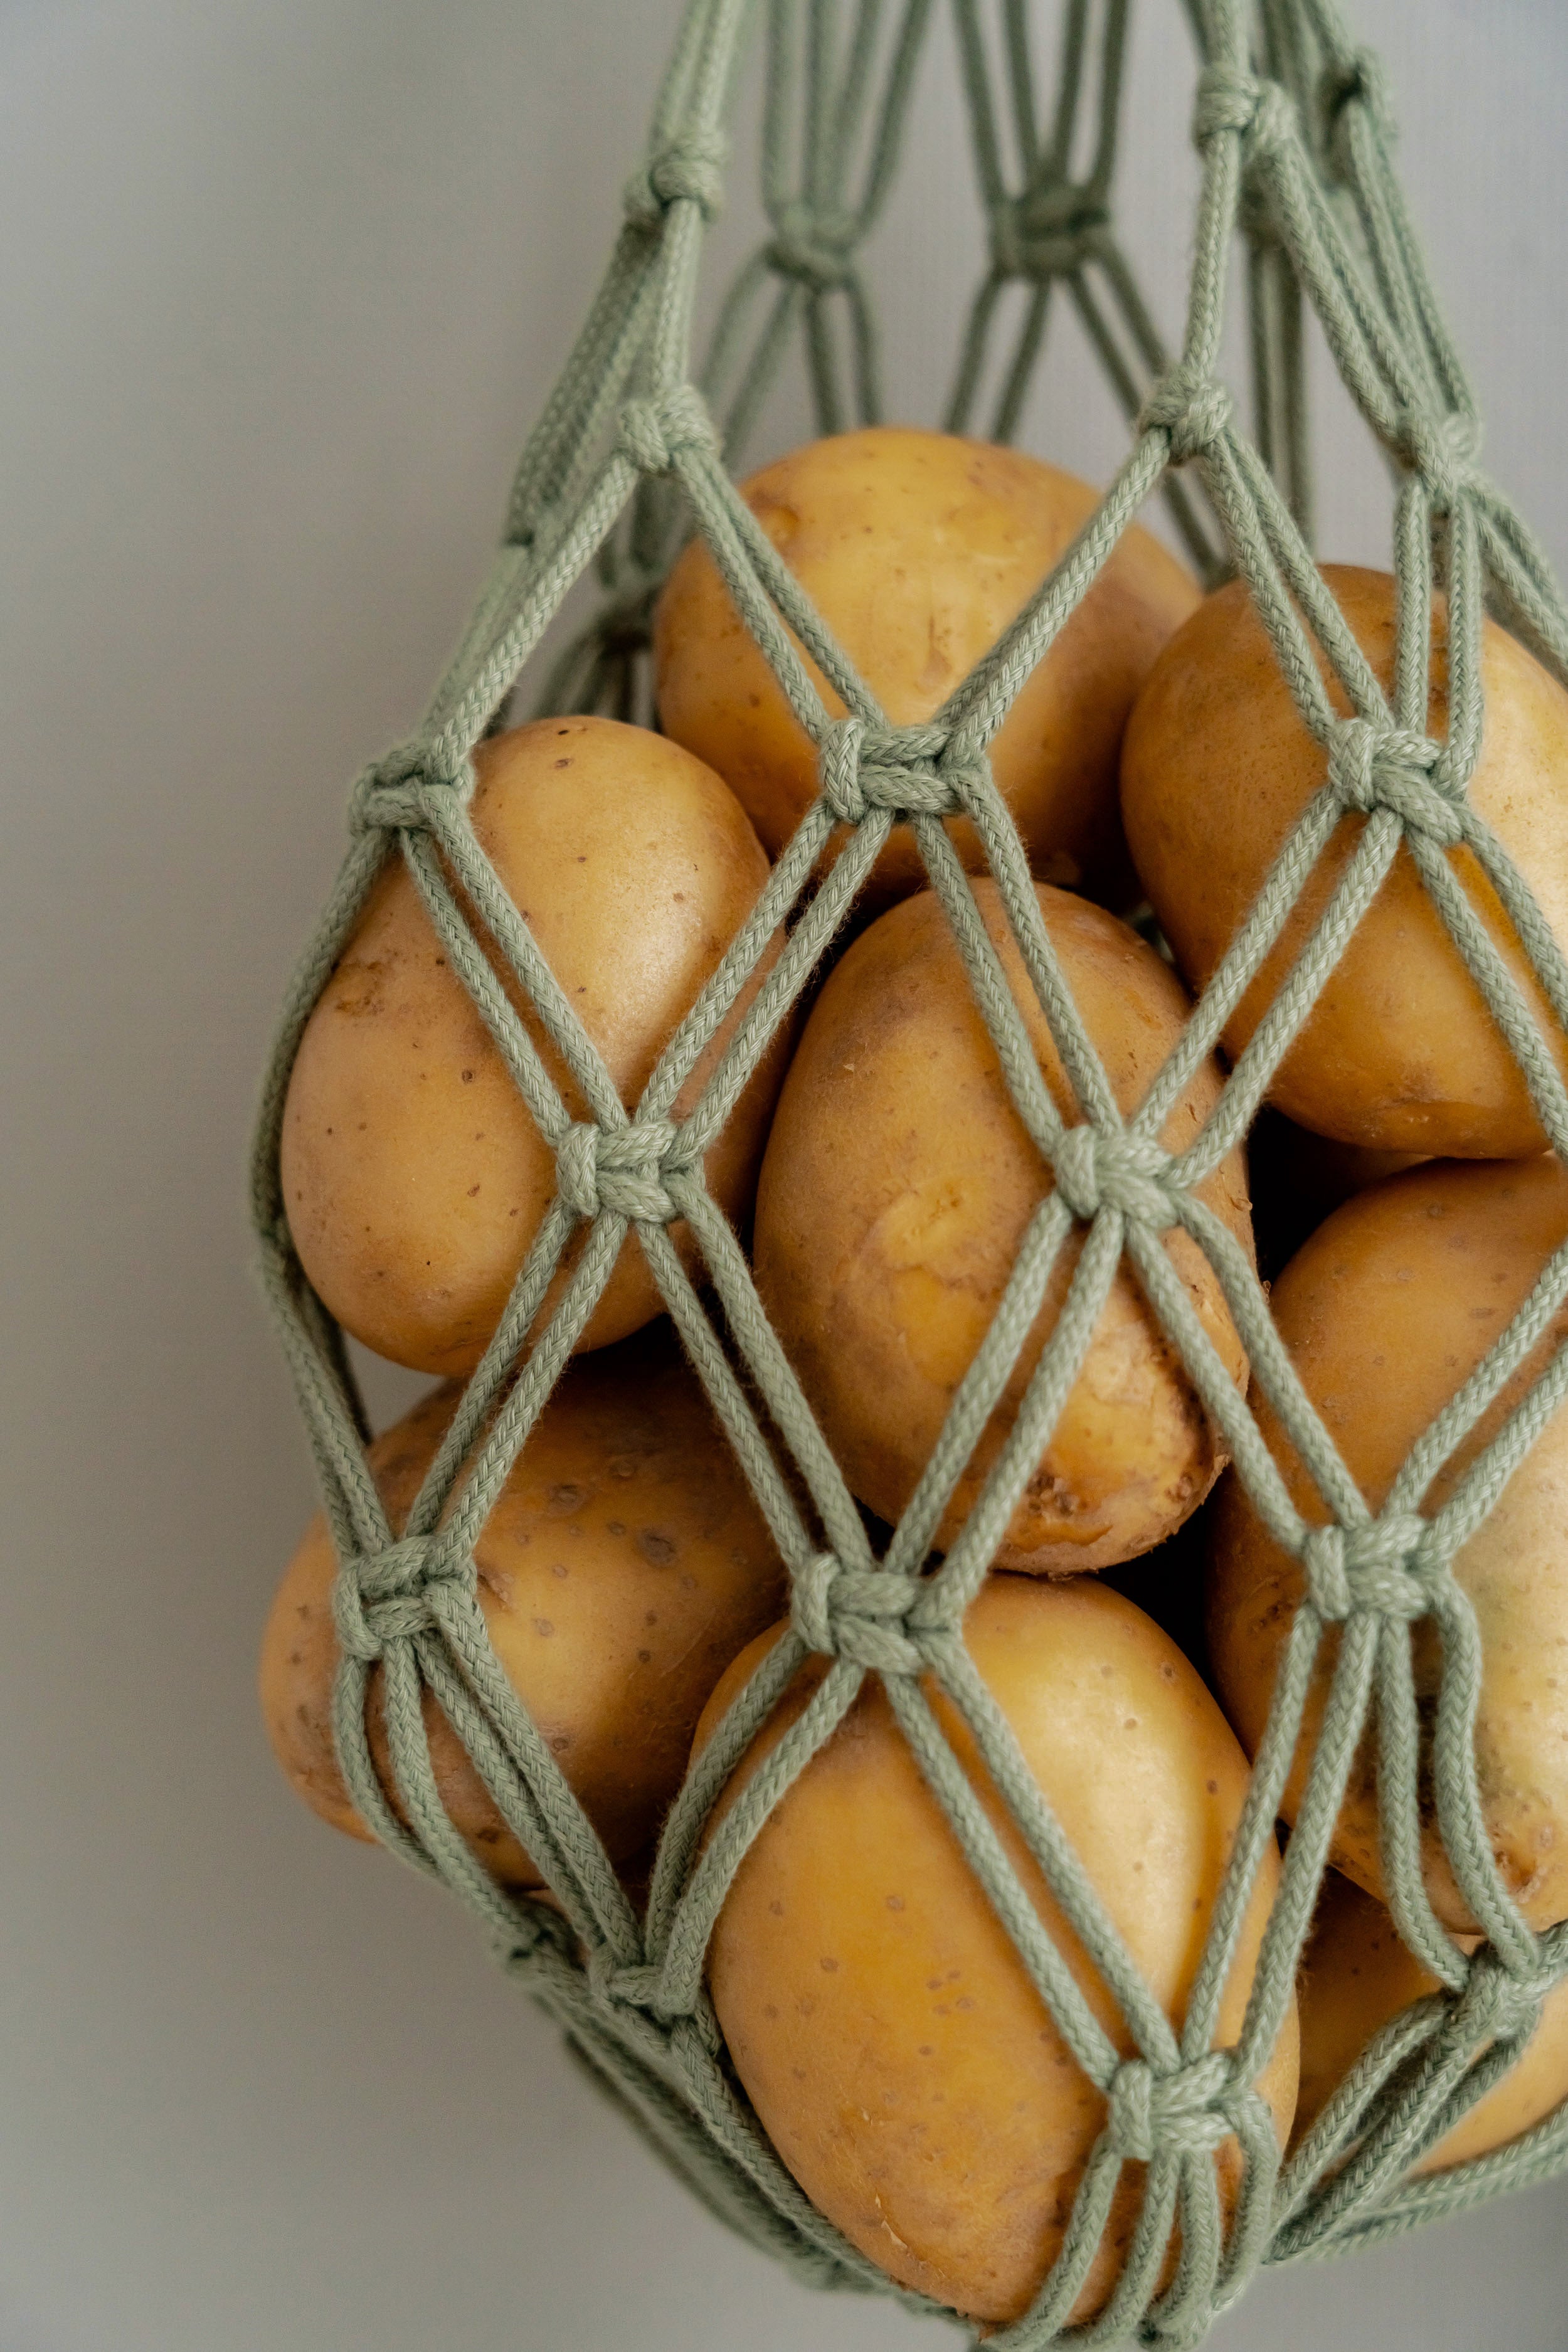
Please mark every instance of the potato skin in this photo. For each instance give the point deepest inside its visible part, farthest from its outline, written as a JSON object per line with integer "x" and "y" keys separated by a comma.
{"x": 1400, "y": 1053}
{"x": 918, "y": 549}
{"x": 898, "y": 1183}
{"x": 1385, "y": 1312}
{"x": 1355, "y": 1976}
{"x": 622, "y": 1566}
{"x": 881, "y": 2018}
{"x": 413, "y": 1173}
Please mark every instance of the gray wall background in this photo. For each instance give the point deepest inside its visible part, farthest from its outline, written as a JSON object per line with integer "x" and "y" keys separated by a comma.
{"x": 282, "y": 287}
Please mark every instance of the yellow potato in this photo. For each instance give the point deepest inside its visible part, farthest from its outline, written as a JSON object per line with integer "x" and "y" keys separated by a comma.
{"x": 918, "y": 549}
{"x": 622, "y": 1566}
{"x": 413, "y": 1173}
{"x": 1355, "y": 1976}
{"x": 1385, "y": 1311}
{"x": 896, "y": 1187}
{"x": 1400, "y": 1052}
{"x": 881, "y": 2018}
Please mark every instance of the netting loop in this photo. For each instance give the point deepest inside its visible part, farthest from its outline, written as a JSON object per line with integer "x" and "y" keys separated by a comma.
{"x": 1273, "y": 139}
{"x": 393, "y": 794}
{"x": 621, "y": 1168}
{"x": 688, "y": 170}
{"x": 905, "y": 770}
{"x": 1389, "y": 1567}
{"x": 1095, "y": 1169}
{"x": 381, "y": 1597}
{"x": 1184, "y": 2112}
{"x": 653, "y": 432}
{"x": 860, "y": 1614}
{"x": 1372, "y": 766}
{"x": 1192, "y": 410}
{"x": 817, "y": 248}
{"x": 1048, "y": 234}
{"x": 1443, "y": 450}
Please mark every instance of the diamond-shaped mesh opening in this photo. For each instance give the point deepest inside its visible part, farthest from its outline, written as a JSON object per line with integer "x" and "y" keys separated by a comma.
{"x": 625, "y": 463}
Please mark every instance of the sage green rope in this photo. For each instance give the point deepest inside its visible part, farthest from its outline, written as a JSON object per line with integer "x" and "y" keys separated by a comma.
{"x": 1292, "y": 130}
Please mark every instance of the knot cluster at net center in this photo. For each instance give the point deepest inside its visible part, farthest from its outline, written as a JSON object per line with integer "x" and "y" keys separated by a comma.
{"x": 621, "y": 1168}
{"x": 1372, "y": 766}
{"x": 1184, "y": 2112}
{"x": 394, "y": 793}
{"x": 869, "y": 1616}
{"x": 655, "y": 433}
{"x": 1444, "y": 450}
{"x": 1192, "y": 410}
{"x": 908, "y": 771}
{"x": 381, "y": 1596}
{"x": 1388, "y": 1567}
{"x": 1095, "y": 1169}
{"x": 817, "y": 248}
{"x": 1048, "y": 233}
{"x": 688, "y": 170}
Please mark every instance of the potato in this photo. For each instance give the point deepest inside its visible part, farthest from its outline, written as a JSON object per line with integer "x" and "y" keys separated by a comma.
{"x": 622, "y": 1566}
{"x": 1355, "y": 1976}
{"x": 918, "y": 549}
{"x": 1385, "y": 1311}
{"x": 897, "y": 1186}
{"x": 413, "y": 1173}
{"x": 1400, "y": 1052}
{"x": 879, "y": 2017}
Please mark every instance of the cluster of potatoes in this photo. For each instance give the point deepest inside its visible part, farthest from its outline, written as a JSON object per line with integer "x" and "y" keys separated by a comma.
{"x": 875, "y": 2008}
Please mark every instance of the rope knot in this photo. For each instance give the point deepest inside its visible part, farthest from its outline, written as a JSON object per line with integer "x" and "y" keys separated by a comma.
{"x": 1194, "y": 412}
{"x": 654, "y": 433}
{"x": 381, "y": 1596}
{"x": 1097, "y": 1170}
{"x": 815, "y": 248}
{"x": 1183, "y": 2112}
{"x": 1357, "y": 79}
{"x": 393, "y": 794}
{"x": 1498, "y": 2003}
{"x": 1443, "y": 450}
{"x": 540, "y": 1939}
{"x": 1372, "y": 766}
{"x": 620, "y": 1984}
{"x": 1230, "y": 100}
{"x": 621, "y": 1169}
{"x": 908, "y": 770}
{"x": 690, "y": 170}
{"x": 1389, "y": 1567}
{"x": 873, "y": 1619}
{"x": 1047, "y": 232}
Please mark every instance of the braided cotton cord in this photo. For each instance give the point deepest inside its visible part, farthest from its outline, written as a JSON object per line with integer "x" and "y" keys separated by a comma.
{"x": 1292, "y": 130}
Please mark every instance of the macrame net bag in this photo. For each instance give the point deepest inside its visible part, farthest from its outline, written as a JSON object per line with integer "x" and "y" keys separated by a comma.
{"x": 631, "y": 455}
